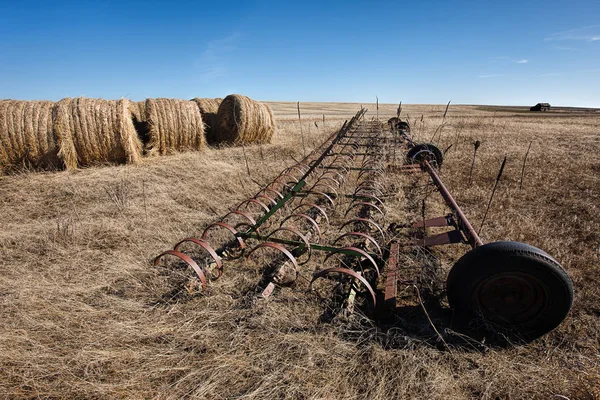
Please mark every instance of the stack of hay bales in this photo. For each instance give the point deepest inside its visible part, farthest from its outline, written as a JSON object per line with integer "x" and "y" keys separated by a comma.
{"x": 26, "y": 135}
{"x": 243, "y": 120}
{"x": 93, "y": 131}
{"x": 173, "y": 125}
{"x": 208, "y": 110}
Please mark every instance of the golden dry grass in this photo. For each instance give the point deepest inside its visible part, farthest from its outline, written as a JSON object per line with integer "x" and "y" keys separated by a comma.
{"x": 84, "y": 314}
{"x": 244, "y": 121}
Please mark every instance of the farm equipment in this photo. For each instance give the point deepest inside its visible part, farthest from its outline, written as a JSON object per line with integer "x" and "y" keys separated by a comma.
{"x": 324, "y": 220}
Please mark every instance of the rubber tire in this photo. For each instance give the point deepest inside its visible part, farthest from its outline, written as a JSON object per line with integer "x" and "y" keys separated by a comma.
{"x": 498, "y": 259}
{"x": 437, "y": 153}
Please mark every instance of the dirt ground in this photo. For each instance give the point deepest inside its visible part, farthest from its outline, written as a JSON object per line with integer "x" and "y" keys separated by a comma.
{"x": 86, "y": 315}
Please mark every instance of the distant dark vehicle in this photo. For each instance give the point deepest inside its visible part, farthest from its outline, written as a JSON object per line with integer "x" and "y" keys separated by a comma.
{"x": 540, "y": 107}
{"x": 397, "y": 125}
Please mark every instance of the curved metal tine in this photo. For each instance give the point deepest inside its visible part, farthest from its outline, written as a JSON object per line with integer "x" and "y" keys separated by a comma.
{"x": 282, "y": 183}
{"x": 302, "y": 237}
{"x": 204, "y": 244}
{"x": 323, "y": 185}
{"x": 372, "y": 197}
{"x": 341, "y": 177}
{"x": 306, "y": 217}
{"x": 245, "y": 204}
{"x": 268, "y": 189}
{"x": 367, "y": 221}
{"x": 242, "y": 213}
{"x": 329, "y": 179}
{"x": 321, "y": 194}
{"x": 349, "y": 272}
{"x": 264, "y": 196}
{"x": 188, "y": 260}
{"x": 275, "y": 246}
{"x": 362, "y": 235}
{"x": 371, "y": 188}
{"x": 364, "y": 204}
{"x": 281, "y": 175}
{"x": 230, "y": 228}
{"x": 313, "y": 205}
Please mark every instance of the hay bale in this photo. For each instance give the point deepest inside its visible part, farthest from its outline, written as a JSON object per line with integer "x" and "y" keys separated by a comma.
{"x": 26, "y": 135}
{"x": 173, "y": 125}
{"x": 93, "y": 131}
{"x": 208, "y": 110}
{"x": 243, "y": 120}
{"x": 138, "y": 110}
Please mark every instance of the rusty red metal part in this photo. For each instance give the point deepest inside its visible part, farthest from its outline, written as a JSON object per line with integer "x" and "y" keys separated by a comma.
{"x": 275, "y": 246}
{"x": 463, "y": 222}
{"x": 229, "y": 228}
{"x": 307, "y": 217}
{"x": 364, "y": 204}
{"x": 264, "y": 196}
{"x": 324, "y": 195}
{"x": 364, "y": 236}
{"x": 367, "y": 221}
{"x": 188, "y": 260}
{"x": 302, "y": 237}
{"x": 361, "y": 253}
{"x": 242, "y": 213}
{"x": 204, "y": 244}
{"x": 391, "y": 283}
{"x": 245, "y": 203}
{"x": 361, "y": 188}
{"x": 316, "y": 207}
{"x": 349, "y": 272}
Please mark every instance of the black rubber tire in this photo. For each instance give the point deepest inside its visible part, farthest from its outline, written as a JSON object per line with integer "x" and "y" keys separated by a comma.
{"x": 510, "y": 290}
{"x": 425, "y": 151}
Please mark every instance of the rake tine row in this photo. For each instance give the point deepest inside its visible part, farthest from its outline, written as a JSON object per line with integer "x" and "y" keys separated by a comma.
{"x": 263, "y": 205}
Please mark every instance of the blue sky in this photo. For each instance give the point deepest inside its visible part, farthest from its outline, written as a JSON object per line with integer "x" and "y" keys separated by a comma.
{"x": 470, "y": 52}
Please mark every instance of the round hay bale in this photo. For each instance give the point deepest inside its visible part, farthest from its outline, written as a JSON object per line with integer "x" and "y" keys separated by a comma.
{"x": 62, "y": 125}
{"x": 92, "y": 131}
{"x": 208, "y": 110}
{"x": 138, "y": 110}
{"x": 26, "y": 135}
{"x": 173, "y": 125}
{"x": 243, "y": 120}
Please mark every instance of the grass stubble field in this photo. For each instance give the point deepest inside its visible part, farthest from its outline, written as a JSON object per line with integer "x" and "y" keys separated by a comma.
{"x": 84, "y": 314}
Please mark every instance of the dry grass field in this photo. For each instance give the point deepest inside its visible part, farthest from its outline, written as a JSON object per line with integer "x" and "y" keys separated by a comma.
{"x": 85, "y": 315}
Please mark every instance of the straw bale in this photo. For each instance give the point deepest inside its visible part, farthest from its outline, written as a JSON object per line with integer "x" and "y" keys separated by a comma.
{"x": 173, "y": 125}
{"x": 94, "y": 131}
{"x": 208, "y": 109}
{"x": 243, "y": 120}
{"x": 26, "y": 135}
{"x": 138, "y": 110}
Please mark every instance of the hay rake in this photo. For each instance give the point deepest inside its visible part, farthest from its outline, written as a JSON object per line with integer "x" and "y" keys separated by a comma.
{"x": 333, "y": 202}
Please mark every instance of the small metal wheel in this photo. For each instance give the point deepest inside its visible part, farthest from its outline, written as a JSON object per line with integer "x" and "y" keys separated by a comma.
{"x": 510, "y": 291}
{"x": 425, "y": 152}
